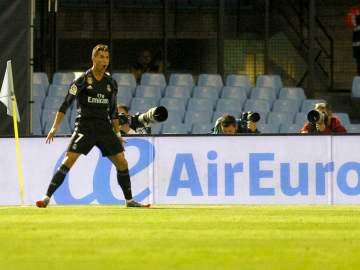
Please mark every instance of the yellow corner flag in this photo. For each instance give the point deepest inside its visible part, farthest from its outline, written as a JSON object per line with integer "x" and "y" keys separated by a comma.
{"x": 7, "y": 97}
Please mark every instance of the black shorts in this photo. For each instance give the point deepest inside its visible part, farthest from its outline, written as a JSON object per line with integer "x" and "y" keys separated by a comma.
{"x": 90, "y": 133}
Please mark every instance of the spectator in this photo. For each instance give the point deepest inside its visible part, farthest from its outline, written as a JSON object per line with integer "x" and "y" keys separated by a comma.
{"x": 145, "y": 63}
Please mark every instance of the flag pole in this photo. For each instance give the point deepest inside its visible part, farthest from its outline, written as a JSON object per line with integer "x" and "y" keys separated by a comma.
{"x": 17, "y": 146}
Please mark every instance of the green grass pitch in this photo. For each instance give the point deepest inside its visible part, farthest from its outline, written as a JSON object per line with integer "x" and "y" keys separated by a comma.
{"x": 180, "y": 237}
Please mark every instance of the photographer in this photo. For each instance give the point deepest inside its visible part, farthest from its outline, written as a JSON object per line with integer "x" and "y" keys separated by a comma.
{"x": 140, "y": 123}
{"x": 225, "y": 124}
{"x": 321, "y": 121}
{"x": 247, "y": 122}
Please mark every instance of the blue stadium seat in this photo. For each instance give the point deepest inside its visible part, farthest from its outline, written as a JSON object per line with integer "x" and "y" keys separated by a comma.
{"x": 36, "y": 110}
{"x": 219, "y": 113}
{"x": 53, "y": 102}
{"x": 178, "y": 91}
{"x": 64, "y": 78}
{"x": 201, "y": 104}
{"x": 192, "y": 117}
{"x": 343, "y": 117}
{"x": 174, "y": 103}
{"x": 201, "y": 128}
{"x": 181, "y": 80}
{"x": 280, "y": 118}
{"x": 235, "y": 92}
{"x": 139, "y": 104}
{"x": 268, "y": 128}
{"x": 47, "y": 120}
{"x": 355, "y": 89}
{"x": 272, "y": 81}
{"x": 353, "y": 128}
{"x": 124, "y": 95}
{"x": 206, "y": 92}
{"x": 176, "y": 116}
{"x": 174, "y": 128}
{"x": 286, "y": 105}
{"x": 263, "y": 93}
{"x": 309, "y": 104}
{"x": 58, "y": 90}
{"x": 213, "y": 80}
{"x": 257, "y": 105}
{"x": 300, "y": 118}
{"x": 290, "y": 128}
{"x": 229, "y": 104}
{"x": 40, "y": 78}
{"x": 38, "y": 90}
{"x": 156, "y": 128}
{"x": 148, "y": 91}
{"x": 155, "y": 79}
{"x": 125, "y": 79}
{"x": 238, "y": 80}
{"x": 292, "y": 93}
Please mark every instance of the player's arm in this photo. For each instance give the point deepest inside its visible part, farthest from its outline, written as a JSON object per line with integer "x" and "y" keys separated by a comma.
{"x": 69, "y": 99}
{"x": 113, "y": 112}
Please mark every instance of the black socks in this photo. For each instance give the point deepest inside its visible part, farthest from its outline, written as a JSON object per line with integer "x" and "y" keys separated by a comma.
{"x": 57, "y": 180}
{"x": 125, "y": 184}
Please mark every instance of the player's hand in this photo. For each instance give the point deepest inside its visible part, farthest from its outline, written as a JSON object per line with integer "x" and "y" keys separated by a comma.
{"x": 50, "y": 136}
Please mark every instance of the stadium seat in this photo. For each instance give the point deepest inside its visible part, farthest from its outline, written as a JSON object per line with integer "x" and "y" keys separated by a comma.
{"x": 148, "y": 91}
{"x": 178, "y": 91}
{"x": 300, "y": 118}
{"x": 263, "y": 93}
{"x": 238, "y": 80}
{"x": 181, "y": 80}
{"x": 268, "y": 128}
{"x": 40, "y": 78}
{"x": 292, "y": 93}
{"x": 229, "y": 104}
{"x": 38, "y": 90}
{"x": 201, "y": 104}
{"x": 257, "y": 105}
{"x": 174, "y": 103}
{"x": 280, "y": 118}
{"x": 139, "y": 104}
{"x": 156, "y": 128}
{"x": 58, "y": 90}
{"x": 286, "y": 105}
{"x": 206, "y": 92}
{"x": 64, "y": 78}
{"x": 213, "y": 80}
{"x": 53, "y": 102}
{"x": 353, "y": 128}
{"x": 155, "y": 79}
{"x": 175, "y": 116}
{"x": 125, "y": 79}
{"x": 36, "y": 110}
{"x": 124, "y": 95}
{"x": 218, "y": 113}
{"x": 192, "y": 117}
{"x": 343, "y": 117}
{"x": 290, "y": 128}
{"x": 355, "y": 89}
{"x": 174, "y": 128}
{"x": 272, "y": 81}
{"x": 309, "y": 104}
{"x": 47, "y": 120}
{"x": 201, "y": 128}
{"x": 235, "y": 92}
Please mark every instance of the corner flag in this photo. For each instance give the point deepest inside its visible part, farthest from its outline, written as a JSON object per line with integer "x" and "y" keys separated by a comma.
{"x": 7, "y": 95}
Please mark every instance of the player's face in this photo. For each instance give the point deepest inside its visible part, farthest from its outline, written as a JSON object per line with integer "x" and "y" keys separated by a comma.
{"x": 101, "y": 61}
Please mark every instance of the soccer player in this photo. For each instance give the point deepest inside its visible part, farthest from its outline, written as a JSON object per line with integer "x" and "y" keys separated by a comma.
{"x": 96, "y": 124}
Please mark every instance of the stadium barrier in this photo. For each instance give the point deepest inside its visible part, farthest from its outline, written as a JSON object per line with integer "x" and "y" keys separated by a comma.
{"x": 195, "y": 170}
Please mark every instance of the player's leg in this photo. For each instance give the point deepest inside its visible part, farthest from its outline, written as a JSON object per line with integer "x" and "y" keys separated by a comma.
{"x": 123, "y": 178}
{"x": 58, "y": 178}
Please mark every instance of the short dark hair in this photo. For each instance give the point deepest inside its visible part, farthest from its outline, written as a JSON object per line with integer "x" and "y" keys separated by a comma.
{"x": 124, "y": 107}
{"x": 227, "y": 120}
{"x": 98, "y": 48}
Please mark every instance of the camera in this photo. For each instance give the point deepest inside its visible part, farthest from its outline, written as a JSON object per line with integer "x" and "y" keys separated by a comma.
{"x": 315, "y": 117}
{"x": 141, "y": 122}
{"x": 245, "y": 118}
